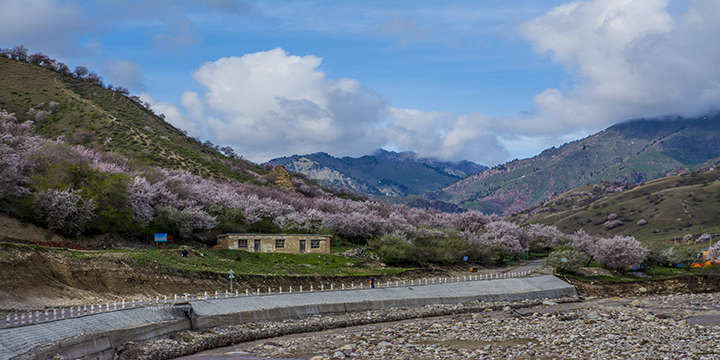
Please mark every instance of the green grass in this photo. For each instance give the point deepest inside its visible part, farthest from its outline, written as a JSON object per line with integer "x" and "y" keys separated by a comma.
{"x": 672, "y": 206}
{"x": 247, "y": 263}
{"x": 222, "y": 261}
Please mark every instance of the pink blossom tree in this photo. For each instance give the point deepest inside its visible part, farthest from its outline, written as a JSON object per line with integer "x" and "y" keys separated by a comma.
{"x": 620, "y": 252}
{"x": 580, "y": 240}
{"x": 66, "y": 211}
{"x": 507, "y": 237}
{"x": 543, "y": 237}
{"x": 80, "y": 71}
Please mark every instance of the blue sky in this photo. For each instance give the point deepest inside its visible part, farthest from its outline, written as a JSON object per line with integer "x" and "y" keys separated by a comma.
{"x": 486, "y": 81}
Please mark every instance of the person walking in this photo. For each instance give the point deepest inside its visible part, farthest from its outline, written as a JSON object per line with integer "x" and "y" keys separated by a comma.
{"x": 372, "y": 282}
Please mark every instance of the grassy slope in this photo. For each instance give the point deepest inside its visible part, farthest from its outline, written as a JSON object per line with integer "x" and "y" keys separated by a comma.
{"x": 89, "y": 115}
{"x": 693, "y": 206}
{"x": 634, "y": 151}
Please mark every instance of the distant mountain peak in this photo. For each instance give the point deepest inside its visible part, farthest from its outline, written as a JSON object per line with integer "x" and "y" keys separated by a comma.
{"x": 384, "y": 172}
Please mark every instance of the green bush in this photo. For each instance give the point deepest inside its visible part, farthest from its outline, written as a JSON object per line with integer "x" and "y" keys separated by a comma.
{"x": 394, "y": 249}
{"x": 568, "y": 261}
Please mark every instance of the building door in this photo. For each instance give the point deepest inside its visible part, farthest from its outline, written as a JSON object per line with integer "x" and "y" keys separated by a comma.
{"x": 257, "y": 245}
{"x": 302, "y": 246}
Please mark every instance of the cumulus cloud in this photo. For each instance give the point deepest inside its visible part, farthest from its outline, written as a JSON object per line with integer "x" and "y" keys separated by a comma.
{"x": 446, "y": 136}
{"x": 124, "y": 72}
{"x": 271, "y": 104}
{"x": 186, "y": 117}
{"x": 626, "y": 59}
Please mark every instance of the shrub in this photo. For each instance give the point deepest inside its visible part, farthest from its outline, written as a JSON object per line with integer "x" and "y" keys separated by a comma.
{"x": 703, "y": 238}
{"x": 568, "y": 261}
{"x": 641, "y": 222}
{"x": 394, "y": 248}
{"x": 612, "y": 224}
{"x": 714, "y": 252}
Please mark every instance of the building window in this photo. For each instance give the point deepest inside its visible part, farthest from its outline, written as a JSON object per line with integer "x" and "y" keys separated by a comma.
{"x": 314, "y": 244}
{"x": 279, "y": 243}
{"x": 242, "y": 244}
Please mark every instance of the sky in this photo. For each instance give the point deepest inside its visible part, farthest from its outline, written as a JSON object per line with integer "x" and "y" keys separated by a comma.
{"x": 485, "y": 81}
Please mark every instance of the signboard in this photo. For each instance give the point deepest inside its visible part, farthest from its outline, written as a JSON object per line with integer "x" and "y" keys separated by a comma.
{"x": 161, "y": 238}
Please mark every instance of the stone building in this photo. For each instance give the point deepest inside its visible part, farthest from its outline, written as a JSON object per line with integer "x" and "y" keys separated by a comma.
{"x": 277, "y": 243}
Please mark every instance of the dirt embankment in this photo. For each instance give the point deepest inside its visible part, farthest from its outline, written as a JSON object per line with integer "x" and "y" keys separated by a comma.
{"x": 38, "y": 277}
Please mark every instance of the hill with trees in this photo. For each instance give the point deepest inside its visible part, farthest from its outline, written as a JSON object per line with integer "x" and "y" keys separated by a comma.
{"x": 634, "y": 151}
{"x": 84, "y": 159}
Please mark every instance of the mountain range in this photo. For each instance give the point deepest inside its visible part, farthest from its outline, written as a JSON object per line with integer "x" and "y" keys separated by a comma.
{"x": 384, "y": 173}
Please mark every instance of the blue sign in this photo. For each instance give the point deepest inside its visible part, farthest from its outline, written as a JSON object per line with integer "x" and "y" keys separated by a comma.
{"x": 465, "y": 258}
{"x": 160, "y": 237}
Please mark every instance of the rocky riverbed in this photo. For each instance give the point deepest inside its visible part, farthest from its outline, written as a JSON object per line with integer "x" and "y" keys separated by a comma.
{"x": 661, "y": 327}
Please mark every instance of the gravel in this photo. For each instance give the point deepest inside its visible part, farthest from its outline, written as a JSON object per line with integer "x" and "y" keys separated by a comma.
{"x": 659, "y": 327}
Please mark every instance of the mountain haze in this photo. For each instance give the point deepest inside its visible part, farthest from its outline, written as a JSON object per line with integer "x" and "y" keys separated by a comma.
{"x": 633, "y": 151}
{"x": 383, "y": 173}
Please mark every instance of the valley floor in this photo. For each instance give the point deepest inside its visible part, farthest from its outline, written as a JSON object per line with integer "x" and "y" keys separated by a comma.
{"x": 682, "y": 326}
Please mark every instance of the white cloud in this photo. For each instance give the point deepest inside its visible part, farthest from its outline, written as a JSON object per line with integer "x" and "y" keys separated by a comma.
{"x": 627, "y": 59}
{"x": 271, "y": 104}
{"x": 446, "y": 136}
{"x": 187, "y": 119}
{"x": 125, "y": 73}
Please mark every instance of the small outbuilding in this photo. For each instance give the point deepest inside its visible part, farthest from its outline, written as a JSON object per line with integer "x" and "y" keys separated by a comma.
{"x": 277, "y": 243}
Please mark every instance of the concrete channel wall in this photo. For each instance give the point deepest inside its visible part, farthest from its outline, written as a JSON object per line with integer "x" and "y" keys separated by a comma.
{"x": 97, "y": 336}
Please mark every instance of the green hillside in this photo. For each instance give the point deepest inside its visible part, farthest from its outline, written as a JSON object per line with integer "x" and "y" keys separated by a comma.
{"x": 90, "y": 115}
{"x": 672, "y": 207}
{"x": 634, "y": 151}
